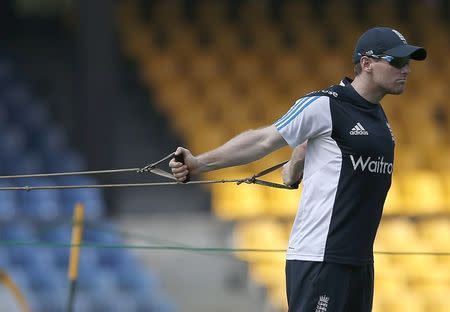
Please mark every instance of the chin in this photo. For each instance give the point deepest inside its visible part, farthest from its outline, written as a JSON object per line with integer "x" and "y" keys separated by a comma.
{"x": 397, "y": 91}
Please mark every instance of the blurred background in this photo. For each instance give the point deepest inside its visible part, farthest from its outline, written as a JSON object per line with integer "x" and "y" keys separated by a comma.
{"x": 91, "y": 85}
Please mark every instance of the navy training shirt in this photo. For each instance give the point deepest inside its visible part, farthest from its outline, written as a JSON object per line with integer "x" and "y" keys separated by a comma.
{"x": 347, "y": 174}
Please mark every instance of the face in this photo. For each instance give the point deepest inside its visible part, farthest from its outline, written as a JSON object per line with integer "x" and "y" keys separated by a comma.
{"x": 391, "y": 79}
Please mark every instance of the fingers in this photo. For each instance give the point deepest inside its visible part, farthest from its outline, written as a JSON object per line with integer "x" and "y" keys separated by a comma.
{"x": 179, "y": 170}
{"x": 176, "y": 164}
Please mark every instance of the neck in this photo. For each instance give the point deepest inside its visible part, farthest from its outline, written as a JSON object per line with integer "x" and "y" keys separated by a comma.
{"x": 367, "y": 90}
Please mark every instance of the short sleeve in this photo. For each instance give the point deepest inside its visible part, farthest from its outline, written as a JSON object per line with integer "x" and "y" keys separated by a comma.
{"x": 308, "y": 118}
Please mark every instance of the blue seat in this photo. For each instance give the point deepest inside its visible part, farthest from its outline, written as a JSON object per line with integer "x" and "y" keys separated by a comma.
{"x": 4, "y": 258}
{"x": 41, "y": 205}
{"x": 18, "y": 231}
{"x": 40, "y": 260}
{"x": 54, "y": 300}
{"x": 47, "y": 280}
{"x": 53, "y": 139}
{"x": 83, "y": 303}
{"x": 91, "y": 198}
{"x": 33, "y": 121}
{"x": 18, "y": 255}
{"x": 56, "y": 234}
{"x": 18, "y": 100}
{"x": 114, "y": 302}
{"x": 95, "y": 279}
{"x": 136, "y": 280}
{"x": 9, "y": 206}
{"x": 12, "y": 143}
{"x": 21, "y": 256}
{"x": 26, "y": 163}
{"x": 62, "y": 235}
{"x": 116, "y": 258}
{"x": 102, "y": 232}
{"x": 61, "y": 256}
{"x": 65, "y": 161}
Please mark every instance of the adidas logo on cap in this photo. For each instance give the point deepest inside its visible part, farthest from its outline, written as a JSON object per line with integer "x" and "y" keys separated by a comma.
{"x": 358, "y": 129}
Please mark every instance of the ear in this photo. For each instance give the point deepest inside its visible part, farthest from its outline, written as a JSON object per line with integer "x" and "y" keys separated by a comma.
{"x": 366, "y": 64}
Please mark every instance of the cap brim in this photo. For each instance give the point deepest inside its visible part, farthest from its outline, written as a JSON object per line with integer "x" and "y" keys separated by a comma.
{"x": 406, "y": 50}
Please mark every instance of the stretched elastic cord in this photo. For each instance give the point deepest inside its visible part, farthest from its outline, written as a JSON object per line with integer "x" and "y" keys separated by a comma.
{"x": 147, "y": 169}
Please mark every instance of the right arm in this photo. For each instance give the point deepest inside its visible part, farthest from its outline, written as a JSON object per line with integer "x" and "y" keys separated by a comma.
{"x": 308, "y": 118}
{"x": 242, "y": 149}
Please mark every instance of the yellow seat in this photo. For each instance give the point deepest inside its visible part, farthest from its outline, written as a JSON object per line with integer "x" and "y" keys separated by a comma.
{"x": 277, "y": 297}
{"x": 439, "y": 158}
{"x": 398, "y": 235}
{"x": 270, "y": 274}
{"x": 283, "y": 203}
{"x": 395, "y": 200}
{"x": 446, "y": 178}
{"x": 231, "y": 202}
{"x": 211, "y": 13}
{"x": 205, "y": 66}
{"x": 401, "y": 301}
{"x": 260, "y": 234}
{"x": 424, "y": 192}
{"x": 437, "y": 301}
{"x": 435, "y": 233}
{"x": 407, "y": 157}
{"x": 386, "y": 287}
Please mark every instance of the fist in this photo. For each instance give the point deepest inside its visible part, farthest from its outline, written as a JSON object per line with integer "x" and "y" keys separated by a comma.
{"x": 181, "y": 170}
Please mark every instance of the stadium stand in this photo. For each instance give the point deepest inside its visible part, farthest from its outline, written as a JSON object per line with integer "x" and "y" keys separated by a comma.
{"x": 109, "y": 279}
{"x": 241, "y": 64}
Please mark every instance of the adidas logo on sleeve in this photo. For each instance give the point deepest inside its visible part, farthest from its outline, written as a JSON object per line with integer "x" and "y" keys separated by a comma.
{"x": 358, "y": 129}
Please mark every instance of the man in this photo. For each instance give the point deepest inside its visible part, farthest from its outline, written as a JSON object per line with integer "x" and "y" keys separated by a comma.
{"x": 347, "y": 174}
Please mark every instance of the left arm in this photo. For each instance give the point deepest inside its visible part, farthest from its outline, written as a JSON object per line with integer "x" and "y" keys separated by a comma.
{"x": 293, "y": 169}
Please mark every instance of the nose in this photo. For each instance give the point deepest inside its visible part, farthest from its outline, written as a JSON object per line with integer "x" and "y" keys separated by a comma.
{"x": 406, "y": 69}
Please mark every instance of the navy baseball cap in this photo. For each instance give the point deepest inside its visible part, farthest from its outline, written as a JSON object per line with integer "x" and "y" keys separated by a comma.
{"x": 388, "y": 41}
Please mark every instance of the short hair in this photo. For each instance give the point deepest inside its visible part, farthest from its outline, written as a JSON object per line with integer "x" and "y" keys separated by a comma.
{"x": 357, "y": 69}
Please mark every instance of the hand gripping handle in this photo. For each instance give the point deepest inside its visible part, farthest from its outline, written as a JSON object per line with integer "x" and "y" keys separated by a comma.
{"x": 180, "y": 158}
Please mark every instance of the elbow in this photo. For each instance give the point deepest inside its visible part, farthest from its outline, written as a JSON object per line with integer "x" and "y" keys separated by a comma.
{"x": 270, "y": 140}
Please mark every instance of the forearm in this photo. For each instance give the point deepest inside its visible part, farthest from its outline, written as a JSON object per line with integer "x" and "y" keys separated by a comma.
{"x": 293, "y": 169}
{"x": 242, "y": 149}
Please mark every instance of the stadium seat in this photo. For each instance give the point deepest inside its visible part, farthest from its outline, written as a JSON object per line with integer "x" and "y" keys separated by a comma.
{"x": 398, "y": 235}
{"x": 17, "y": 231}
{"x": 423, "y": 191}
{"x": 282, "y": 203}
{"x": 48, "y": 280}
{"x": 260, "y": 234}
{"x": 83, "y": 303}
{"x": 42, "y": 205}
{"x": 269, "y": 274}
{"x": 97, "y": 280}
{"x": 230, "y": 204}
{"x": 12, "y": 142}
{"x": 395, "y": 202}
{"x": 436, "y": 233}
{"x": 9, "y": 208}
{"x": 121, "y": 302}
{"x": 131, "y": 279}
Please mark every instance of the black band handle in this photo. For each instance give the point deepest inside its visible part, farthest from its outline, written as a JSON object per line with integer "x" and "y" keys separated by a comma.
{"x": 180, "y": 158}
{"x": 295, "y": 185}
